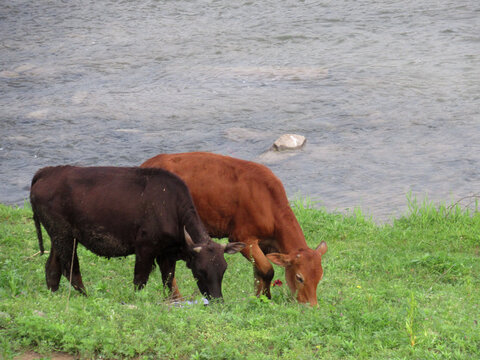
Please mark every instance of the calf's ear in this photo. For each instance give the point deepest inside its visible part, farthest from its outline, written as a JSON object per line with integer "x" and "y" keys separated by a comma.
{"x": 322, "y": 248}
{"x": 233, "y": 248}
{"x": 279, "y": 259}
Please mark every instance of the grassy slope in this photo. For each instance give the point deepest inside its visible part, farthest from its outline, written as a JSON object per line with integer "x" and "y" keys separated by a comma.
{"x": 402, "y": 291}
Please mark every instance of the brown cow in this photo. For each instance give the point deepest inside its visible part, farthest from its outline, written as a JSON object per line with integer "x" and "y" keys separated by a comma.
{"x": 121, "y": 211}
{"x": 246, "y": 202}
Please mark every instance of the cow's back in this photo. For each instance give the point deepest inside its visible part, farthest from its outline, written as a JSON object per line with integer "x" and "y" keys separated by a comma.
{"x": 94, "y": 202}
{"x": 78, "y": 192}
{"x": 232, "y": 196}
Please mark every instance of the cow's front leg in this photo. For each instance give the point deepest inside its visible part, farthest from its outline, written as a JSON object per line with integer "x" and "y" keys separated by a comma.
{"x": 143, "y": 268}
{"x": 167, "y": 268}
{"x": 262, "y": 269}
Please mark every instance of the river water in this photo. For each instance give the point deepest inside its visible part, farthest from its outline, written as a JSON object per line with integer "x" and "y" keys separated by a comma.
{"x": 387, "y": 92}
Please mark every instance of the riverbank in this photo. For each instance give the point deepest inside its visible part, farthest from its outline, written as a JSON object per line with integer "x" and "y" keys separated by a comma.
{"x": 408, "y": 289}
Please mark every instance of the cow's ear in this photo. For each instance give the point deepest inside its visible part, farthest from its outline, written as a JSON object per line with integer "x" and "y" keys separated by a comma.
{"x": 322, "y": 248}
{"x": 197, "y": 249}
{"x": 234, "y": 247}
{"x": 279, "y": 259}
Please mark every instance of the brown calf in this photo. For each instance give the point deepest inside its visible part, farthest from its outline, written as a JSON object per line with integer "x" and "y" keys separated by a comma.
{"x": 246, "y": 202}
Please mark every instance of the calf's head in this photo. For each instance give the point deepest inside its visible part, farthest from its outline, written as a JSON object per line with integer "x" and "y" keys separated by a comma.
{"x": 303, "y": 271}
{"x": 208, "y": 264}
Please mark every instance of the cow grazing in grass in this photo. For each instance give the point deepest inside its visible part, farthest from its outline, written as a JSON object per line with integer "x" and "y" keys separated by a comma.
{"x": 246, "y": 202}
{"x": 122, "y": 211}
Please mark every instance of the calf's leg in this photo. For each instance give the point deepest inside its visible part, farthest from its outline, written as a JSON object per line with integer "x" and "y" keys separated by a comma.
{"x": 262, "y": 269}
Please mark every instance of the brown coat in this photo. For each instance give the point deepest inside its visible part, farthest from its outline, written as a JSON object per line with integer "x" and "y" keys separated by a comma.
{"x": 246, "y": 202}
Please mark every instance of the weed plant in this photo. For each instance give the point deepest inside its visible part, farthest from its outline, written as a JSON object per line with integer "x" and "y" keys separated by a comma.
{"x": 404, "y": 290}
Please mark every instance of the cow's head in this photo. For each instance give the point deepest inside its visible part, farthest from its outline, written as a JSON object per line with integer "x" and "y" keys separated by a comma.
{"x": 303, "y": 271}
{"x": 208, "y": 264}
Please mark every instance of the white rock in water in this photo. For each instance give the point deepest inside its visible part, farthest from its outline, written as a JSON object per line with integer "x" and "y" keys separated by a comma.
{"x": 289, "y": 142}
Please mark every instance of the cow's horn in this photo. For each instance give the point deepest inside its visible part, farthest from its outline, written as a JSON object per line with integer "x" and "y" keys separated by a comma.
{"x": 188, "y": 239}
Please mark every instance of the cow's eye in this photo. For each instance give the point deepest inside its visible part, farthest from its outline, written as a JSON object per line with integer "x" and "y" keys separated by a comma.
{"x": 299, "y": 278}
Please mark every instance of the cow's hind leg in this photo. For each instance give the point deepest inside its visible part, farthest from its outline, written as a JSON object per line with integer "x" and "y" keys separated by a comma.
{"x": 262, "y": 269}
{"x": 53, "y": 270}
{"x": 167, "y": 268}
{"x": 72, "y": 272}
{"x": 63, "y": 249}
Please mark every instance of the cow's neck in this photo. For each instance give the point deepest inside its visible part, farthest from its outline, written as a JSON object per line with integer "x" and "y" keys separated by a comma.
{"x": 288, "y": 233}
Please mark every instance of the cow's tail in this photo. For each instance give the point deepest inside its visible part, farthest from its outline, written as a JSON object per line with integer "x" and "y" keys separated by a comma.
{"x": 38, "y": 225}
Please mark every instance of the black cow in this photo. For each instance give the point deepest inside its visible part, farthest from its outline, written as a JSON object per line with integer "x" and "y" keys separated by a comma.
{"x": 116, "y": 211}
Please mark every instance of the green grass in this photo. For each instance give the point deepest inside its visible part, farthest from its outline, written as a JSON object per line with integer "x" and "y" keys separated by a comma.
{"x": 405, "y": 290}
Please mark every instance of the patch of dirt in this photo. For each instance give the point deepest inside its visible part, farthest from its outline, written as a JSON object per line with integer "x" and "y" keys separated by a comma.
{"x": 32, "y": 355}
